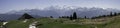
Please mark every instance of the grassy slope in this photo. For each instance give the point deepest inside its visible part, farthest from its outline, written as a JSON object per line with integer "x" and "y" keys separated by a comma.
{"x": 1, "y": 23}
{"x": 18, "y": 24}
{"x": 115, "y": 23}
{"x": 49, "y": 23}
{"x": 110, "y": 22}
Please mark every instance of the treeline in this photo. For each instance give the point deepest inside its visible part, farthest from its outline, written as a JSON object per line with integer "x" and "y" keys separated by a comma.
{"x": 109, "y": 15}
{"x": 72, "y": 16}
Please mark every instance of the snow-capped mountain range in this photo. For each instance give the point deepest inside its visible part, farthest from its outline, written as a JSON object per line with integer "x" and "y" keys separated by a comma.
{"x": 57, "y": 11}
{"x": 66, "y": 11}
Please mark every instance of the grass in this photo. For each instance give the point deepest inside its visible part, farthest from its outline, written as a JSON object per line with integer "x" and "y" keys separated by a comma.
{"x": 1, "y": 23}
{"x": 114, "y": 24}
{"x": 107, "y": 22}
{"x": 18, "y": 24}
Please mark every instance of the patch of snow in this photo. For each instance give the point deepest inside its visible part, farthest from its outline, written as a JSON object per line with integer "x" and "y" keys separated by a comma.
{"x": 4, "y": 23}
{"x": 74, "y": 20}
{"x": 33, "y": 25}
{"x": 25, "y": 20}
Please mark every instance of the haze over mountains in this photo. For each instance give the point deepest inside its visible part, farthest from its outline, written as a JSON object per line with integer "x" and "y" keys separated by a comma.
{"x": 57, "y": 11}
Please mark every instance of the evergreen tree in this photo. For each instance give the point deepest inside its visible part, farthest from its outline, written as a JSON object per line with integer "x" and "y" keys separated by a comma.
{"x": 25, "y": 16}
{"x": 51, "y": 16}
{"x": 59, "y": 17}
{"x": 115, "y": 14}
{"x": 118, "y": 13}
{"x": 74, "y": 15}
{"x": 104, "y": 16}
{"x": 111, "y": 14}
{"x": 67, "y": 17}
{"x": 85, "y": 17}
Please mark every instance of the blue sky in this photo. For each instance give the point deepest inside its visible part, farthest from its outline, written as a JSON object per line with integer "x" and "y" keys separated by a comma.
{"x": 6, "y": 5}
